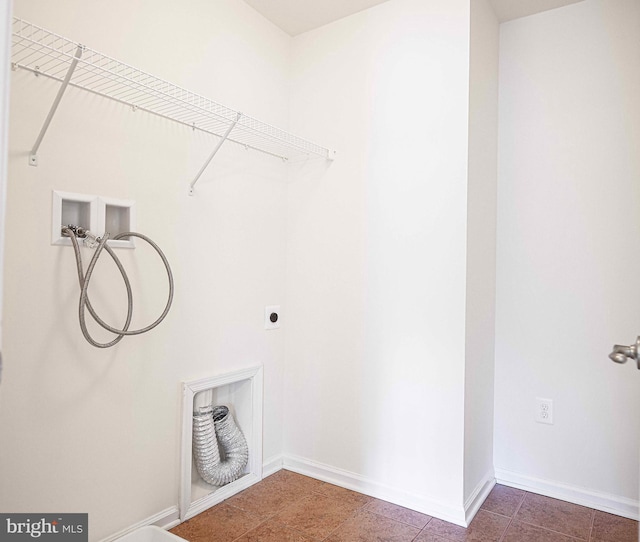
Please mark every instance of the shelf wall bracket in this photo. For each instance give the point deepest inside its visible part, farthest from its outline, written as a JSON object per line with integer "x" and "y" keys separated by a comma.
{"x": 213, "y": 153}
{"x": 33, "y": 155}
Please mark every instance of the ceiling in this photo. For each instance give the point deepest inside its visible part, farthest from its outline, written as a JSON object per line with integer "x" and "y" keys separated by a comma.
{"x": 298, "y": 16}
{"x": 506, "y": 10}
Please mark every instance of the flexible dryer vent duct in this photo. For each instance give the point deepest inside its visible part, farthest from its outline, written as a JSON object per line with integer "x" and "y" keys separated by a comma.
{"x": 211, "y": 422}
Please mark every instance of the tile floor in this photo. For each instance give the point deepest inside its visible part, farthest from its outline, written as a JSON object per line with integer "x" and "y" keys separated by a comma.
{"x": 289, "y": 507}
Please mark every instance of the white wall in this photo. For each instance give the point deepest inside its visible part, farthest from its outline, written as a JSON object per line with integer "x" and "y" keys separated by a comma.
{"x": 5, "y": 47}
{"x": 568, "y": 259}
{"x": 388, "y": 280}
{"x": 97, "y": 431}
{"x": 481, "y": 247}
{"x": 377, "y": 254}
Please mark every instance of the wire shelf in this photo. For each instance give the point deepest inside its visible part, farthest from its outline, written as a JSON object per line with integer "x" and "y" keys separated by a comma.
{"x": 45, "y": 53}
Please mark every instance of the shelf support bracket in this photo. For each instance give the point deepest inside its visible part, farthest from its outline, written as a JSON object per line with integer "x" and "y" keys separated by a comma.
{"x": 213, "y": 153}
{"x": 33, "y": 155}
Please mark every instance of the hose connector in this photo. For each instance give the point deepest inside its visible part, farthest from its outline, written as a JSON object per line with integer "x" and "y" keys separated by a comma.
{"x": 78, "y": 231}
{"x": 91, "y": 240}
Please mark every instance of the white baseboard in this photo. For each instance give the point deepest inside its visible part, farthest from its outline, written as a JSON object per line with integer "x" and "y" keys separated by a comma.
{"x": 220, "y": 494}
{"x": 613, "y": 504}
{"x": 169, "y": 518}
{"x": 166, "y": 519}
{"x": 271, "y": 466}
{"x": 362, "y": 484}
{"x": 478, "y": 495}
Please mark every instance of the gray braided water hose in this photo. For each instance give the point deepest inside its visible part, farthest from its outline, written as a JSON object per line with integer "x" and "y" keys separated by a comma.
{"x": 84, "y": 279}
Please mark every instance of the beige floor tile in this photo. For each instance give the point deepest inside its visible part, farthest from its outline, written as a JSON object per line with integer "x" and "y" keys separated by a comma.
{"x": 336, "y": 492}
{"x": 299, "y": 483}
{"x": 522, "y": 532}
{"x": 398, "y": 513}
{"x": 290, "y": 507}
{"x": 430, "y": 537}
{"x": 369, "y": 527}
{"x": 266, "y": 498}
{"x": 272, "y": 531}
{"x": 555, "y": 515}
{"x": 485, "y": 527}
{"x": 503, "y": 500}
{"x": 610, "y": 528}
{"x": 317, "y": 515}
{"x": 222, "y": 523}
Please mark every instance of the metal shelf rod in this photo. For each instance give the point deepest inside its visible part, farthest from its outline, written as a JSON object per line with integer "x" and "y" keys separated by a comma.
{"x": 215, "y": 150}
{"x": 45, "y": 53}
{"x": 33, "y": 156}
{"x": 187, "y": 124}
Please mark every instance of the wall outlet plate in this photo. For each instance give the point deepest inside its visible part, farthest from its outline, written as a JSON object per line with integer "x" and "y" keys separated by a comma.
{"x": 272, "y": 317}
{"x": 544, "y": 410}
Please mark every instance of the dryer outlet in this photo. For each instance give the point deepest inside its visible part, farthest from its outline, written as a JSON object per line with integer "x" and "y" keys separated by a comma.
{"x": 272, "y": 317}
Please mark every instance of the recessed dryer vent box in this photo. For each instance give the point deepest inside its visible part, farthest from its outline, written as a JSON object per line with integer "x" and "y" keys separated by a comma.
{"x": 241, "y": 391}
{"x": 69, "y": 208}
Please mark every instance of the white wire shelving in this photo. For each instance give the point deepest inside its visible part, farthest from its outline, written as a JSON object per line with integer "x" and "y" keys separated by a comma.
{"x": 45, "y": 53}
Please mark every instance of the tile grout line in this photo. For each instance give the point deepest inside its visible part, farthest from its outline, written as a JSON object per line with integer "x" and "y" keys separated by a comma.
{"x": 593, "y": 520}
{"x": 364, "y": 508}
{"x": 446, "y": 539}
{"x": 422, "y": 530}
{"x": 247, "y": 532}
{"x": 248, "y": 512}
{"x": 301, "y": 533}
{"x": 265, "y": 519}
{"x": 554, "y": 532}
{"x": 294, "y": 528}
{"x": 311, "y": 492}
{"x": 546, "y": 528}
{"x": 515, "y": 512}
{"x": 353, "y": 515}
{"x": 274, "y": 517}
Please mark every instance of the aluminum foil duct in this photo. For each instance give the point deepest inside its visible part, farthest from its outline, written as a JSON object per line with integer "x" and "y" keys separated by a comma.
{"x": 213, "y": 427}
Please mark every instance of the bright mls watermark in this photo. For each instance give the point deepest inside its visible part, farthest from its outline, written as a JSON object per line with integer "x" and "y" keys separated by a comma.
{"x": 44, "y": 527}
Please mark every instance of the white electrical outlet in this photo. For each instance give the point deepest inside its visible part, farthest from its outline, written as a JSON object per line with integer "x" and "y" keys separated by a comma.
{"x": 544, "y": 411}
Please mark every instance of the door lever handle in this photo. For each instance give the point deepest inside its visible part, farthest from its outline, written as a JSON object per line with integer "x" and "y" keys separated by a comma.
{"x": 621, "y": 353}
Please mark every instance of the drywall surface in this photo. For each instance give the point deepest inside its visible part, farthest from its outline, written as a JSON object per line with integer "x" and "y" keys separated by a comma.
{"x": 481, "y": 247}
{"x": 97, "y": 431}
{"x": 5, "y": 46}
{"x": 377, "y": 253}
{"x": 568, "y": 261}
